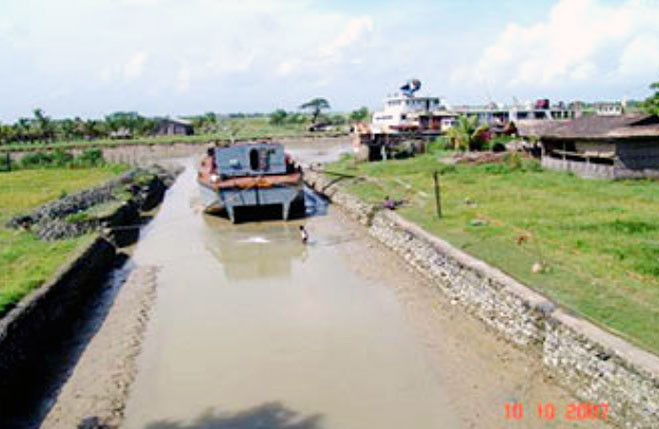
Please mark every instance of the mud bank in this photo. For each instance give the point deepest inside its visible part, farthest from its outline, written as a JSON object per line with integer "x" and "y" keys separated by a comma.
{"x": 35, "y": 326}
{"x": 597, "y": 366}
{"x": 95, "y": 393}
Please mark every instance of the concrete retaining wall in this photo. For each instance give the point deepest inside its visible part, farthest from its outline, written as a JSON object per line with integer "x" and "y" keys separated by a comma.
{"x": 597, "y": 366}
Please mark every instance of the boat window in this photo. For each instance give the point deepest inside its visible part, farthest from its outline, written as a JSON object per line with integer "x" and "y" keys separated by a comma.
{"x": 254, "y": 159}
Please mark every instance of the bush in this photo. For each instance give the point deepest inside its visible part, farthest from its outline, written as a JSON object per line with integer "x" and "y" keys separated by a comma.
{"x": 61, "y": 158}
{"x": 498, "y": 143}
{"x": 36, "y": 159}
{"x": 439, "y": 144}
{"x": 278, "y": 117}
{"x": 513, "y": 162}
{"x": 532, "y": 165}
{"x": 90, "y": 157}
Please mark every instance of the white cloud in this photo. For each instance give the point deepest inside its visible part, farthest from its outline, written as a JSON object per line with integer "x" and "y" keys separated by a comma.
{"x": 173, "y": 56}
{"x": 141, "y": 2}
{"x": 575, "y": 43}
{"x": 353, "y": 31}
{"x": 288, "y": 66}
{"x": 640, "y": 54}
{"x": 183, "y": 78}
{"x": 135, "y": 65}
{"x": 332, "y": 53}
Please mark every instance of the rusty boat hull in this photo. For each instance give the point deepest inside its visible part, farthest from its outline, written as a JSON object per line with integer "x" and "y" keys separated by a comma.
{"x": 230, "y": 199}
{"x": 250, "y": 176}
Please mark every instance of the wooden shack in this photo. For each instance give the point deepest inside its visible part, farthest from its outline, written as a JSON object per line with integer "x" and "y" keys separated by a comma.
{"x": 609, "y": 147}
{"x": 174, "y": 127}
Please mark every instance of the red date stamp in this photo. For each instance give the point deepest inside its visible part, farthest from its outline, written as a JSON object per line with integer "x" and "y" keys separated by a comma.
{"x": 548, "y": 411}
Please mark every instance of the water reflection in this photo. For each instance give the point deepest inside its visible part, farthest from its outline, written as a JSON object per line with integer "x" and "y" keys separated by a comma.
{"x": 254, "y": 250}
{"x": 314, "y": 203}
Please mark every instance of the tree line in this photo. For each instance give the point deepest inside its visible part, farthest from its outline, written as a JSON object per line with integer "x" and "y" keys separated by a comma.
{"x": 315, "y": 115}
{"x": 42, "y": 128}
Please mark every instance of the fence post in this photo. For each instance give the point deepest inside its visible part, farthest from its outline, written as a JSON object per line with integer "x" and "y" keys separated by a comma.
{"x": 438, "y": 197}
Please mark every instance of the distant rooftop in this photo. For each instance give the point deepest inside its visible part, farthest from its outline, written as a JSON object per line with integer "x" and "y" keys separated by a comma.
{"x": 595, "y": 127}
{"x": 178, "y": 121}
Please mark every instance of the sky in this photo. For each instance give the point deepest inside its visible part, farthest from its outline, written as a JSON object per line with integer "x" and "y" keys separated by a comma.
{"x": 89, "y": 58}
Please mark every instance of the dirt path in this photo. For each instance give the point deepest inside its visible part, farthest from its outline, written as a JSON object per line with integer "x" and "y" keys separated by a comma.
{"x": 97, "y": 389}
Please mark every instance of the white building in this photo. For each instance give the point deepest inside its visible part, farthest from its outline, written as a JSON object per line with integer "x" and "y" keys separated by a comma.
{"x": 403, "y": 112}
{"x": 604, "y": 108}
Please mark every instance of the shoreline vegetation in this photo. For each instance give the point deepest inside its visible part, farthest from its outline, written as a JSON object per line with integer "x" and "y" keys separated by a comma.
{"x": 591, "y": 246}
{"x": 231, "y": 129}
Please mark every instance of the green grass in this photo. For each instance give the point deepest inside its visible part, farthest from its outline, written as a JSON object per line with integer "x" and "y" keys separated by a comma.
{"x": 241, "y": 128}
{"x": 598, "y": 240}
{"x": 25, "y": 261}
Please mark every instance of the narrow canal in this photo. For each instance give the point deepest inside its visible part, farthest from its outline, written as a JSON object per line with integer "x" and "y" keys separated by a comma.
{"x": 249, "y": 320}
{"x": 253, "y": 329}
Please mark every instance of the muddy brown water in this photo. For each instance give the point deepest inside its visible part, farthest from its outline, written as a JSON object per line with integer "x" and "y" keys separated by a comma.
{"x": 249, "y": 316}
{"x": 253, "y": 329}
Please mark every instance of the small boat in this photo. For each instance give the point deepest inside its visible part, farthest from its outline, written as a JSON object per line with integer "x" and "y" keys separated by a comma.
{"x": 250, "y": 175}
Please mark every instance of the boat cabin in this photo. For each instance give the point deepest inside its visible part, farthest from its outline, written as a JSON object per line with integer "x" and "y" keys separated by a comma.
{"x": 251, "y": 159}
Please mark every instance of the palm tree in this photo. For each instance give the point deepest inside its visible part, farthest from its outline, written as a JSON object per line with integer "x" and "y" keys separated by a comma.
{"x": 22, "y": 129}
{"x": 5, "y": 134}
{"x": 315, "y": 106}
{"x": 43, "y": 126}
{"x": 78, "y": 128}
{"x": 651, "y": 104}
{"x": 466, "y": 133}
{"x": 67, "y": 127}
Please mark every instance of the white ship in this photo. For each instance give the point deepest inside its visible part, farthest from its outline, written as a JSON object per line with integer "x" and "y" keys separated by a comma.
{"x": 407, "y": 112}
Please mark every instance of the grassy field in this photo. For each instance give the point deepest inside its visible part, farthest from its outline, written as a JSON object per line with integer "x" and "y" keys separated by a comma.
{"x": 239, "y": 129}
{"x": 598, "y": 241}
{"x": 25, "y": 261}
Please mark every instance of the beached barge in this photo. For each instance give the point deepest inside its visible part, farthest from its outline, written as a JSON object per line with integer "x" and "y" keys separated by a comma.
{"x": 251, "y": 175}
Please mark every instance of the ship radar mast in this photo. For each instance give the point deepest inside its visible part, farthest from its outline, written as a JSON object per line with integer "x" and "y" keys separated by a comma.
{"x": 410, "y": 87}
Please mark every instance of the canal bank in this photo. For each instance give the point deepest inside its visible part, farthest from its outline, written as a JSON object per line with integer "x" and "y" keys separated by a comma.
{"x": 44, "y": 332}
{"x": 602, "y": 369}
{"x": 249, "y": 325}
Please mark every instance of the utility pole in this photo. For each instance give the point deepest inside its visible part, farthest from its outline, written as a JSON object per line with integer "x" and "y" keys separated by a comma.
{"x": 438, "y": 196}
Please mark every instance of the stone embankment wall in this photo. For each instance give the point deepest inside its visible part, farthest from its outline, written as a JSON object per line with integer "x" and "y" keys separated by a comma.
{"x": 146, "y": 186}
{"x": 597, "y": 366}
{"x": 38, "y": 319}
{"x": 29, "y": 327}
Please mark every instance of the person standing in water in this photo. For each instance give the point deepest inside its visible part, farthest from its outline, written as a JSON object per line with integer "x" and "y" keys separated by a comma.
{"x": 304, "y": 235}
